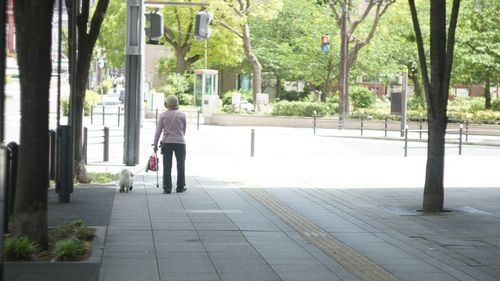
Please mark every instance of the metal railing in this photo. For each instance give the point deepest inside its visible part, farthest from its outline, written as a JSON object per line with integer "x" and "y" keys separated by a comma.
{"x": 100, "y": 136}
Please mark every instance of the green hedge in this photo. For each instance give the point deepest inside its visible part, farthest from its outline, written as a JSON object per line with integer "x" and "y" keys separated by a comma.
{"x": 91, "y": 99}
{"x": 483, "y": 117}
{"x": 300, "y": 108}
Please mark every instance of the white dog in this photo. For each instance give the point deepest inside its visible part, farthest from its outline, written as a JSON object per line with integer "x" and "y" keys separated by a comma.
{"x": 126, "y": 180}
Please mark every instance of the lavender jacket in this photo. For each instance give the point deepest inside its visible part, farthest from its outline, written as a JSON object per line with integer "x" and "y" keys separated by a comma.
{"x": 177, "y": 131}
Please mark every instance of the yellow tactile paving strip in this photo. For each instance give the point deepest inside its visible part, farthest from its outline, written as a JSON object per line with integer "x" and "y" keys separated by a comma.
{"x": 353, "y": 261}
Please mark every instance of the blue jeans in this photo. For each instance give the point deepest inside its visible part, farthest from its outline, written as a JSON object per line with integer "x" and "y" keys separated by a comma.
{"x": 167, "y": 149}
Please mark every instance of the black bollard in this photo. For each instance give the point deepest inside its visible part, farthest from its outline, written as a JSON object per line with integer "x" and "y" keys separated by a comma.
{"x": 64, "y": 177}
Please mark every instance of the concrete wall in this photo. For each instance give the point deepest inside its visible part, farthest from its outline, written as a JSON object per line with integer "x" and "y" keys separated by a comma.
{"x": 153, "y": 54}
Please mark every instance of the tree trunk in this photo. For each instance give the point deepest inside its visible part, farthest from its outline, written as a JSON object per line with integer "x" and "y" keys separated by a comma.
{"x": 82, "y": 74}
{"x": 487, "y": 94}
{"x": 278, "y": 87}
{"x": 180, "y": 65}
{"x": 433, "y": 190}
{"x": 33, "y": 21}
{"x": 413, "y": 75}
{"x": 86, "y": 43}
{"x": 254, "y": 62}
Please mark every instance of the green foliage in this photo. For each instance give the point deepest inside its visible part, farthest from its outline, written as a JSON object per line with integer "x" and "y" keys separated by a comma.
{"x": 165, "y": 66}
{"x": 416, "y": 103}
{"x": 179, "y": 82}
{"x": 467, "y": 104}
{"x": 227, "y": 96}
{"x": 477, "y": 45}
{"x": 112, "y": 34}
{"x": 91, "y": 99}
{"x": 495, "y": 105}
{"x": 108, "y": 84}
{"x": 292, "y": 96}
{"x": 76, "y": 230}
{"x": 69, "y": 249}
{"x": 8, "y": 79}
{"x": 20, "y": 248}
{"x": 286, "y": 108}
{"x": 102, "y": 177}
{"x": 361, "y": 97}
{"x": 185, "y": 99}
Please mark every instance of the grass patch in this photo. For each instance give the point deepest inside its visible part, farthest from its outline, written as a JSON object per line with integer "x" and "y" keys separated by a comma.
{"x": 70, "y": 241}
{"x": 102, "y": 177}
{"x": 20, "y": 248}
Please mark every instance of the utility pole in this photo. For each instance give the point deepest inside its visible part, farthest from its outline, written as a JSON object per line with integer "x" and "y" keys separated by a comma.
{"x": 343, "y": 101}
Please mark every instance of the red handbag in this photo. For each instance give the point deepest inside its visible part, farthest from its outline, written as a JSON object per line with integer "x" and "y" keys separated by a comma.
{"x": 152, "y": 163}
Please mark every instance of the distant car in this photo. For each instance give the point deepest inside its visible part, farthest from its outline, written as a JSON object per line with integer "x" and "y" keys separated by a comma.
{"x": 245, "y": 105}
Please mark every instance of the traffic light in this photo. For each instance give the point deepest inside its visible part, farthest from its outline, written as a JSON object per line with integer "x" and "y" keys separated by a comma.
{"x": 202, "y": 25}
{"x": 325, "y": 43}
{"x": 155, "y": 29}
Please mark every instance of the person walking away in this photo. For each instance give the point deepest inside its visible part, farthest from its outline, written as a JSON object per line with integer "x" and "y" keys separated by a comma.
{"x": 172, "y": 123}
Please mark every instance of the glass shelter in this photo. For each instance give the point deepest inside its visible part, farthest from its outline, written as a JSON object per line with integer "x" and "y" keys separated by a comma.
{"x": 205, "y": 84}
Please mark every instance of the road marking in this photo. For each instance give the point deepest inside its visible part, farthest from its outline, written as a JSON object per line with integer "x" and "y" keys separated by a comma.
{"x": 353, "y": 261}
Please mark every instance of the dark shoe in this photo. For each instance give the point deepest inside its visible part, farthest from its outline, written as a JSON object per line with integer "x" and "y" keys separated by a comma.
{"x": 167, "y": 191}
{"x": 179, "y": 190}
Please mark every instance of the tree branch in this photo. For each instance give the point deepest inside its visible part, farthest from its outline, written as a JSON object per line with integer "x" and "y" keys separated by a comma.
{"x": 170, "y": 37}
{"x": 355, "y": 23}
{"x": 97, "y": 20}
{"x": 451, "y": 43}
{"x": 420, "y": 48}
{"x": 335, "y": 12}
{"x": 232, "y": 29}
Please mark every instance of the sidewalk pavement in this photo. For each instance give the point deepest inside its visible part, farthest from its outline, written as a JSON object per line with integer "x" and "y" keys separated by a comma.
{"x": 303, "y": 208}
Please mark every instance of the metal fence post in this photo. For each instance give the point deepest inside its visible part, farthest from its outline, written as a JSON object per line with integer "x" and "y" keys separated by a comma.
{"x": 467, "y": 130}
{"x": 119, "y": 112}
{"x": 252, "y": 143}
{"x": 198, "y": 119}
{"x": 385, "y": 126}
{"x": 406, "y": 140}
{"x": 52, "y": 154}
{"x": 362, "y": 125}
{"x": 85, "y": 143}
{"x": 106, "y": 145}
{"x": 103, "y": 115}
{"x": 314, "y": 122}
{"x": 460, "y": 140}
{"x": 91, "y": 115}
{"x": 420, "y": 127}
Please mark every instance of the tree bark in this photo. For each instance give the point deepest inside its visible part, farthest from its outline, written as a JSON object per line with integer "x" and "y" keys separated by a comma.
{"x": 413, "y": 75}
{"x": 436, "y": 88}
{"x": 86, "y": 43}
{"x": 254, "y": 62}
{"x": 33, "y": 21}
{"x": 487, "y": 94}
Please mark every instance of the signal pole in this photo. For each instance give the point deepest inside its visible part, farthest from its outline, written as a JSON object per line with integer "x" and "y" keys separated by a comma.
{"x": 343, "y": 101}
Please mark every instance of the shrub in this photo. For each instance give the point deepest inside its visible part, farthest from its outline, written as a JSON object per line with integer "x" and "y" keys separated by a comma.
{"x": 228, "y": 96}
{"x": 495, "y": 105}
{"x": 179, "y": 83}
{"x": 286, "y": 108}
{"x": 69, "y": 249}
{"x": 292, "y": 95}
{"x": 91, "y": 98}
{"x": 416, "y": 103}
{"x": 361, "y": 97}
{"x": 185, "y": 99}
{"x": 20, "y": 248}
{"x": 75, "y": 229}
{"x": 104, "y": 87}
